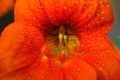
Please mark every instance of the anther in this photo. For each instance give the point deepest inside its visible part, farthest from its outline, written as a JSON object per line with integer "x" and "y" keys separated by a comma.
{"x": 62, "y": 36}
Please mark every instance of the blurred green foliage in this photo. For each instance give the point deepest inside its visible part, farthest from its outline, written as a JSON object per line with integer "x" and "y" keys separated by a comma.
{"x": 117, "y": 43}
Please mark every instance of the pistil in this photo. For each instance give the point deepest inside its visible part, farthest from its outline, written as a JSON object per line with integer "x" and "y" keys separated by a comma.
{"x": 62, "y": 37}
{"x": 64, "y": 42}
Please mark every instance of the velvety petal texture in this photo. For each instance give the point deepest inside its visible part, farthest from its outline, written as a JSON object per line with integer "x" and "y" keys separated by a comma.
{"x": 19, "y": 47}
{"x": 26, "y": 55}
{"x": 83, "y": 15}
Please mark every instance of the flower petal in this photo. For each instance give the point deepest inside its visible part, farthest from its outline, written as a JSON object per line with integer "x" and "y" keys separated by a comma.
{"x": 78, "y": 69}
{"x": 55, "y": 71}
{"x": 19, "y": 47}
{"x": 97, "y": 15}
{"x": 83, "y": 15}
{"x": 101, "y": 53}
{"x": 67, "y": 71}
{"x": 31, "y": 13}
{"x": 36, "y": 71}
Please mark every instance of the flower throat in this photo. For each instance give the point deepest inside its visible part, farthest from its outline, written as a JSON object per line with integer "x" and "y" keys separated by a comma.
{"x": 63, "y": 42}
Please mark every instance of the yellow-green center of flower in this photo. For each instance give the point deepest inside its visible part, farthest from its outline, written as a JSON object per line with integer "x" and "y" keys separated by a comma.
{"x": 63, "y": 42}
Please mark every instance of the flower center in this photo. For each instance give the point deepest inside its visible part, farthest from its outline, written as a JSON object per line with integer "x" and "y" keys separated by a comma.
{"x": 63, "y": 42}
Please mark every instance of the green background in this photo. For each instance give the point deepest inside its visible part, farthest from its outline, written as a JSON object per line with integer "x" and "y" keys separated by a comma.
{"x": 114, "y": 34}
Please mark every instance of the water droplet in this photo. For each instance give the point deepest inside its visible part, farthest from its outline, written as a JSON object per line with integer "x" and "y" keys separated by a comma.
{"x": 78, "y": 69}
{"x": 65, "y": 7}
{"x": 29, "y": 78}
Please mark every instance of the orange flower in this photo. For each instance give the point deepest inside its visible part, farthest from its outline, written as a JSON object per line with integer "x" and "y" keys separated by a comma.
{"x": 59, "y": 40}
{"x": 5, "y": 6}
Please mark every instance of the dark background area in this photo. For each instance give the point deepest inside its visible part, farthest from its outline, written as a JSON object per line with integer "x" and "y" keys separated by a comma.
{"x": 114, "y": 34}
{"x": 6, "y": 19}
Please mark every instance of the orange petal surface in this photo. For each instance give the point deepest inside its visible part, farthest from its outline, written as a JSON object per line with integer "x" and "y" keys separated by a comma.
{"x": 83, "y": 15}
{"x": 19, "y": 47}
{"x": 102, "y": 54}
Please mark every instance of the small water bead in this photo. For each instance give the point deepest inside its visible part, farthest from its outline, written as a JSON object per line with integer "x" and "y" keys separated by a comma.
{"x": 33, "y": 18}
{"x": 78, "y": 69}
{"x": 97, "y": 21}
{"x": 101, "y": 2}
{"x": 102, "y": 6}
{"x": 108, "y": 51}
{"x": 93, "y": 38}
{"x": 103, "y": 18}
{"x": 29, "y": 78}
{"x": 52, "y": 7}
{"x": 65, "y": 7}
{"x": 103, "y": 12}
{"x": 37, "y": 9}
{"x": 53, "y": 69}
{"x": 74, "y": 69}
{"x": 76, "y": 2}
{"x": 108, "y": 6}
{"x": 89, "y": 25}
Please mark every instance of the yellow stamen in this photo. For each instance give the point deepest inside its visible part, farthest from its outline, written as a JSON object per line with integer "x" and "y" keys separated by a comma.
{"x": 63, "y": 43}
{"x": 62, "y": 36}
